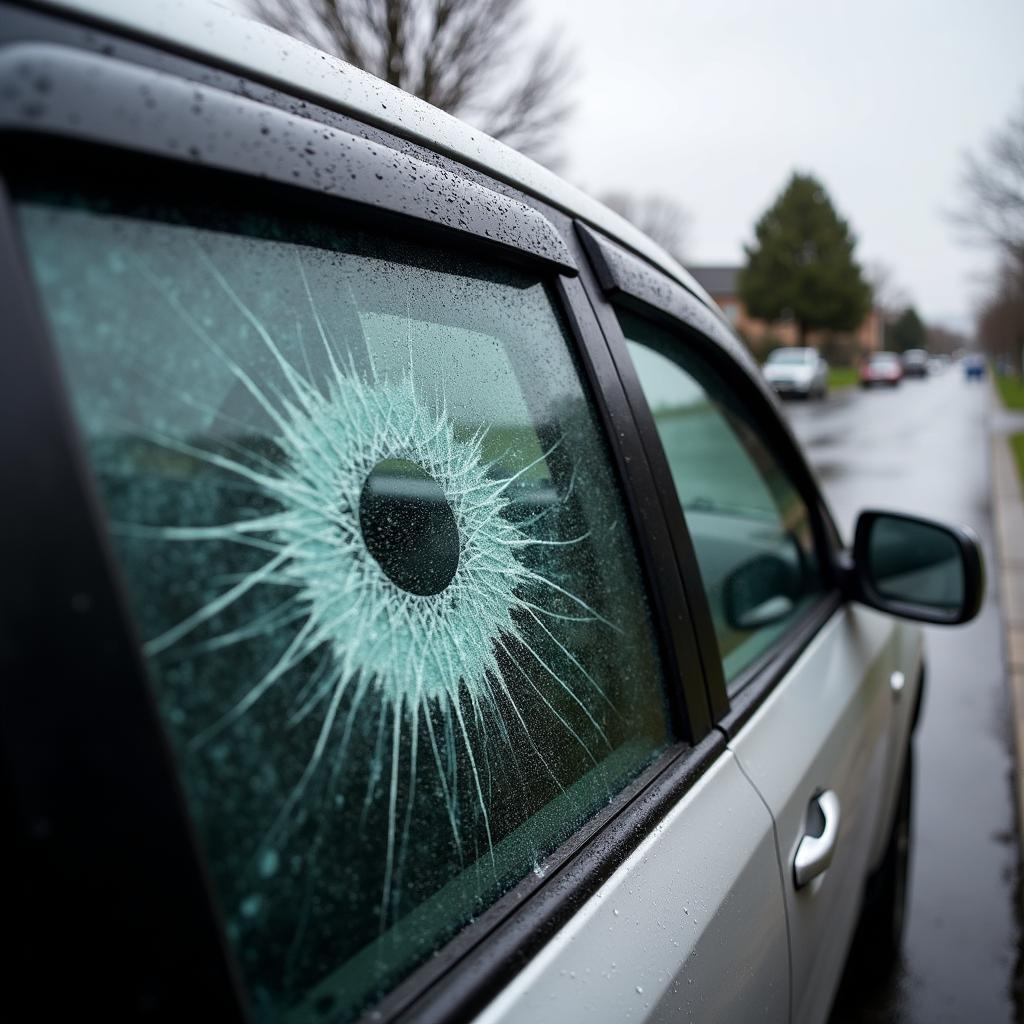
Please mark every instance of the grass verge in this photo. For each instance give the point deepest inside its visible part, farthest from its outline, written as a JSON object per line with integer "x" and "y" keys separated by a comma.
{"x": 842, "y": 377}
{"x": 1017, "y": 447}
{"x": 1011, "y": 391}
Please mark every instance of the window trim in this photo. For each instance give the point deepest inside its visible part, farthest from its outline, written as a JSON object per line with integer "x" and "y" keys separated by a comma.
{"x": 627, "y": 281}
{"x": 523, "y": 920}
{"x": 677, "y": 640}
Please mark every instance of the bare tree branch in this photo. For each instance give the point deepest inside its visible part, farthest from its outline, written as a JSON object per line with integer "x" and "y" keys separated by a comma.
{"x": 994, "y": 215}
{"x": 995, "y": 191}
{"x": 459, "y": 55}
{"x": 889, "y": 296}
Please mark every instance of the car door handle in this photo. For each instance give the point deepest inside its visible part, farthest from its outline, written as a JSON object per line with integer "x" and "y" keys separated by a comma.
{"x": 814, "y": 854}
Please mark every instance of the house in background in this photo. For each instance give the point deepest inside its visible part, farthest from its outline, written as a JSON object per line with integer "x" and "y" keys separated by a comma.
{"x": 721, "y": 283}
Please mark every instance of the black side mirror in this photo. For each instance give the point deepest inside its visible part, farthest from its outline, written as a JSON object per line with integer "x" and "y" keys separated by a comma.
{"x": 916, "y": 568}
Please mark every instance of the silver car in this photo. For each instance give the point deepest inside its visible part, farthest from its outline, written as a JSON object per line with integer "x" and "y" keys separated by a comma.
{"x": 414, "y": 603}
{"x": 800, "y": 372}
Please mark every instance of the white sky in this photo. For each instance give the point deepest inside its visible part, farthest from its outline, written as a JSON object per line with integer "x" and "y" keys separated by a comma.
{"x": 715, "y": 102}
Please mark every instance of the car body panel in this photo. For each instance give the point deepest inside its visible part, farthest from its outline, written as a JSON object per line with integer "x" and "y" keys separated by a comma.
{"x": 691, "y": 926}
{"x": 834, "y": 709}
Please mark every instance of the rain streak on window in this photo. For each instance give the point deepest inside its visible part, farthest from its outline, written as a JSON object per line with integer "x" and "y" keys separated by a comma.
{"x": 388, "y": 599}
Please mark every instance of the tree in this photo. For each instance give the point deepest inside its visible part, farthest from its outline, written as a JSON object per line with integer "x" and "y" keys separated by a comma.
{"x": 657, "y": 216}
{"x": 995, "y": 191}
{"x": 907, "y": 332}
{"x": 1001, "y": 320}
{"x": 943, "y": 340}
{"x": 459, "y": 55}
{"x": 994, "y": 215}
{"x": 801, "y": 266}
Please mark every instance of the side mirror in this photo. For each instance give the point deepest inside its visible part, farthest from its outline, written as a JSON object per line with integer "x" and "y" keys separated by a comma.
{"x": 917, "y": 569}
{"x": 760, "y": 591}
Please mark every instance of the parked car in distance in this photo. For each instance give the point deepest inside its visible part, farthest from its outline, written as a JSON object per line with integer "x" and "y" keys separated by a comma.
{"x": 797, "y": 372}
{"x": 881, "y": 368}
{"x": 915, "y": 362}
{"x": 415, "y": 605}
{"x": 938, "y": 363}
{"x": 974, "y": 366}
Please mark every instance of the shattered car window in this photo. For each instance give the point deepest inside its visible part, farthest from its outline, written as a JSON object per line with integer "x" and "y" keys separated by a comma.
{"x": 378, "y": 562}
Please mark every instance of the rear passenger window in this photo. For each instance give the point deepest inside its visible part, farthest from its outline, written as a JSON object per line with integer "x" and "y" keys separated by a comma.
{"x": 751, "y": 530}
{"x": 378, "y": 563}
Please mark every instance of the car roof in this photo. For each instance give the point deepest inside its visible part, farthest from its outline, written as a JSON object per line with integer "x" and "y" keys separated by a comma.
{"x": 206, "y": 30}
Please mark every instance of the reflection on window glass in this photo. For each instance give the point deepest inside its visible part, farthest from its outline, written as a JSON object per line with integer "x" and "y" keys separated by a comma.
{"x": 916, "y": 562}
{"x": 750, "y": 528}
{"x": 389, "y": 603}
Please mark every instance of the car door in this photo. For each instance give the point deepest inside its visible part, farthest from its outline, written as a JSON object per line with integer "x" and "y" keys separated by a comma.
{"x": 819, "y": 751}
{"x": 807, "y": 704}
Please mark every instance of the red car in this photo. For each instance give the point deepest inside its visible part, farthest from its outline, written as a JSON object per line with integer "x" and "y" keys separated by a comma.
{"x": 881, "y": 368}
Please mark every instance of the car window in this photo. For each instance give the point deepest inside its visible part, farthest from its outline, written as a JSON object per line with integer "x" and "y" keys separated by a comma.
{"x": 751, "y": 530}
{"x": 379, "y": 566}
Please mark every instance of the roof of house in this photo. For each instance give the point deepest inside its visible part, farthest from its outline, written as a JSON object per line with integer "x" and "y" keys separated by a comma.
{"x": 205, "y": 29}
{"x": 717, "y": 280}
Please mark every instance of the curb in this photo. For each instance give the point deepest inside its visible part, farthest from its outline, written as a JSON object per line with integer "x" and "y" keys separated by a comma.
{"x": 1008, "y": 512}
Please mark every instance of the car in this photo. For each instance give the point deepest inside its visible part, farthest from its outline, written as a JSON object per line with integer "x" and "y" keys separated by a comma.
{"x": 797, "y": 371}
{"x": 915, "y": 363}
{"x": 881, "y": 368}
{"x": 974, "y": 367}
{"x": 415, "y": 604}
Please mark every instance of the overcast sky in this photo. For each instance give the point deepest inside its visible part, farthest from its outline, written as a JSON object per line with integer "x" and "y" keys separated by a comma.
{"x": 715, "y": 103}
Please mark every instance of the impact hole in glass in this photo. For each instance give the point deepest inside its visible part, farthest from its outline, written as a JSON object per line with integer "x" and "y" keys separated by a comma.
{"x": 409, "y": 527}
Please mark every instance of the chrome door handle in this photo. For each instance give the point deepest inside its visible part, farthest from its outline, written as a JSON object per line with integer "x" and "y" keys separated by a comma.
{"x": 814, "y": 854}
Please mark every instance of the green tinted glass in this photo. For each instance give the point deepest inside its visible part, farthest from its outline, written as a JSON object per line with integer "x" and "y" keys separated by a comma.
{"x": 751, "y": 530}
{"x": 379, "y": 563}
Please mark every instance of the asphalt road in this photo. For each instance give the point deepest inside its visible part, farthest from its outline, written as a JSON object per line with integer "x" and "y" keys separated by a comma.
{"x": 924, "y": 448}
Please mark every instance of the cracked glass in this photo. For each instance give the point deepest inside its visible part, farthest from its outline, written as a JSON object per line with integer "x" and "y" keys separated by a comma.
{"x": 379, "y": 564}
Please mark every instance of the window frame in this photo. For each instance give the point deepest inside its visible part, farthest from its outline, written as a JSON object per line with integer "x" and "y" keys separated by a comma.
{"x": 191, "y": 963}
{"x": 627, "y": 281}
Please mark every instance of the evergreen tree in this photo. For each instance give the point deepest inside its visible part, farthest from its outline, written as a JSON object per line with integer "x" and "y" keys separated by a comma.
{"x": 802, "y": 266}
{"x": 907, "y": 332}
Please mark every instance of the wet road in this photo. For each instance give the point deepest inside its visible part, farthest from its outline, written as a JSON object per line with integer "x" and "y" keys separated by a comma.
{"x": 924, "y": 448}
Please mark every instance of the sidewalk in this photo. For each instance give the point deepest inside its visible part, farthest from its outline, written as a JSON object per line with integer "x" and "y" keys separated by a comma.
{"x": 1008, "y": 511}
